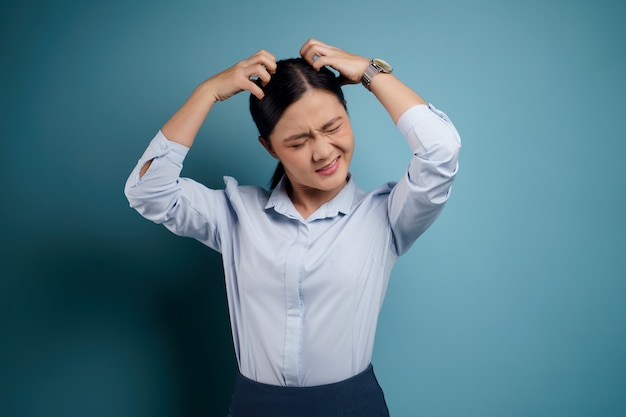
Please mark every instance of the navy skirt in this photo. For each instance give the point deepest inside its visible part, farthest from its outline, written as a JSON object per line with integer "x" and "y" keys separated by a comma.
{"x": 359, "y": 396}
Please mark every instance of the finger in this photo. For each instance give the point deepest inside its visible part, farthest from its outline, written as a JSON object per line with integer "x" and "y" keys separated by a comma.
{"x": 262, "y": 57}
{"x": 322, "y": 61}
{"x": 254, "y": 89}
{"x": 311, "y": 43}
{"x": 253, "y": 73}
{"x": 264, "y": 53}
{"x": 306, "y": 46}
{"x": 269, "y": 61}
{"x": 259, "y": 67}
{"x": 264, "y": 76}
{"x": 270, "y": 64}
{"x": 335, "y": 62}
{"x": 313, "y": 49}
{"x": 310, "y": 52}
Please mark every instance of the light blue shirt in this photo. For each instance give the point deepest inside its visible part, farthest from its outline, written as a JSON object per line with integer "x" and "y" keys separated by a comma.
{"x": 304, "y": 295}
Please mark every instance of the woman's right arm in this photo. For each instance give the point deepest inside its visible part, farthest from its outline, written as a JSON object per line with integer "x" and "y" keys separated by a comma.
{"x": 184, "y": 125}
{"x": 155, "y": 188}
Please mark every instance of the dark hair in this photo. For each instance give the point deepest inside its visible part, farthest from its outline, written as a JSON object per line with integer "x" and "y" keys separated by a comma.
{"x": 292, "y": 79}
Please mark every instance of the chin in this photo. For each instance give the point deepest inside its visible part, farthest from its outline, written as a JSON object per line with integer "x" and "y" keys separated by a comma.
{"x": 336, "y": 181}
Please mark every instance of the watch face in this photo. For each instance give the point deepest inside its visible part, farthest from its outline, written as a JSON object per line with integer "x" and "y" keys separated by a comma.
{"x": 382, "y": 64}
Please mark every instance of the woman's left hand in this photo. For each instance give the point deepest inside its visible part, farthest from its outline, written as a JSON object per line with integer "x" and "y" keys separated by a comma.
{"x": 350, "y": 66}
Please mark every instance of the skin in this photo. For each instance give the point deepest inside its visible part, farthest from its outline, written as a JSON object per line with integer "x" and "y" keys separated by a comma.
{"x": 309, "y": 191}
{"x": 314, "y": 141}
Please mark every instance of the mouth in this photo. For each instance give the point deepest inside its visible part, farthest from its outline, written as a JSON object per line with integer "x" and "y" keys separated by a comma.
{"x": 330, "y": 168}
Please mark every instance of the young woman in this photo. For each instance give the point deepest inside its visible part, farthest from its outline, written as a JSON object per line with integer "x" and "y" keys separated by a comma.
{"x": 307, "y": 262}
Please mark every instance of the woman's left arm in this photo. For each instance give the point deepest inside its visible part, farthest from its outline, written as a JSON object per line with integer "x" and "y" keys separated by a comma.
{"x": 419, "y": 196}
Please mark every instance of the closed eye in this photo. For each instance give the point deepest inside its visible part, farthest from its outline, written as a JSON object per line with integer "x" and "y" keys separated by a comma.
{"x": 332, "y": 130}
{"x": 297, "y": 145}
{"x": 332, "y": 126}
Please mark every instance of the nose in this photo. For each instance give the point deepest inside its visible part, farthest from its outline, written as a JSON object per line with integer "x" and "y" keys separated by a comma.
{"x": 322, "y": 148}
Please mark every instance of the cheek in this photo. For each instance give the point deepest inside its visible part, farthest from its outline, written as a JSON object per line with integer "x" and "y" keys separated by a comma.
{"x": 348, "y": 142}
{"x": 293, "y": 160}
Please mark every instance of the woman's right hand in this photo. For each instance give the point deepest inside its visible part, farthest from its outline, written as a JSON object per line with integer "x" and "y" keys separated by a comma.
{"x": 184, "y": 125}
{"x": 240, "y": 77}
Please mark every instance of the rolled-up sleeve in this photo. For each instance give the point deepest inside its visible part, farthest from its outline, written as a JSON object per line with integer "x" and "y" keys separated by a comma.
{"x": 419, "y": 196}
{"x": 184, "y": 206}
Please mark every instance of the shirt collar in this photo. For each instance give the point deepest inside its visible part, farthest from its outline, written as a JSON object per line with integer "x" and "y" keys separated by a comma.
{"x": 342, "y": 203}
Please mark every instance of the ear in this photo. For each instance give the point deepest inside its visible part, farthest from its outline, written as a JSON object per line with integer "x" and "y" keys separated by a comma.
{"x": 268, "y": 146}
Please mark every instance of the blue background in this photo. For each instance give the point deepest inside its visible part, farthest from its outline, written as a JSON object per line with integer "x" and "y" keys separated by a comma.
{"x": 512, "y": 304}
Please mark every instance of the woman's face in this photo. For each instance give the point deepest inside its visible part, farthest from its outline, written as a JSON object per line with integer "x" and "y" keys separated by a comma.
{"x": 314, "y": 141}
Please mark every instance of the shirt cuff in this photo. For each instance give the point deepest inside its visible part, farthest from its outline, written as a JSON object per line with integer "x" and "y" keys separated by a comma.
{"x": 419, "y": 126}
{"x": 160, "y": 147}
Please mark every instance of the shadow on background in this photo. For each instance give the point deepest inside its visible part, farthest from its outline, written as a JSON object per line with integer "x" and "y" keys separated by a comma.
{"x": 97, "y": 329}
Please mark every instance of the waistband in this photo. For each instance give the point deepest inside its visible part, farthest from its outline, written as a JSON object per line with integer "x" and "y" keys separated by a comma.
{"x": 360, "y": 395}
{"x": 360, "y": 377}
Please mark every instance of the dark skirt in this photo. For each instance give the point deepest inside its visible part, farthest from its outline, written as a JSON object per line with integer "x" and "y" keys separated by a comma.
{"x": 359, "y": 396}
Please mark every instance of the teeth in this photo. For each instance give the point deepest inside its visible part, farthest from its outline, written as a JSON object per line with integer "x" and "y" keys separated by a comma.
{"x": 328, "y": 166}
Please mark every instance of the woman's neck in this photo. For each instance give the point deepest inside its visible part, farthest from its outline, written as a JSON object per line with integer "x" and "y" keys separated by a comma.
{"x": 307, "y": 200}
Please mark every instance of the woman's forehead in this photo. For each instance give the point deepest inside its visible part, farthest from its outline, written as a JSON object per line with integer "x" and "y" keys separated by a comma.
{"x": 313, "y": 110}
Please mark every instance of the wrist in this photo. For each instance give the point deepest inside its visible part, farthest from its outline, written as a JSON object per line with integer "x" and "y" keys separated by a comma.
{"x": 376, "y": 66}
{"x": 208, "y": 92}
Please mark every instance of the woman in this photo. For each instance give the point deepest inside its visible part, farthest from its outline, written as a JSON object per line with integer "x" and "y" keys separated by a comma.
{"x": 306, "y": 263}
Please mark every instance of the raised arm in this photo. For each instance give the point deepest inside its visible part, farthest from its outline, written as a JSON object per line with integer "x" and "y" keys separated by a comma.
{"x": 154, "y": 187}
{"x": 184, "y": 125}
{"x": 419, "y": 196}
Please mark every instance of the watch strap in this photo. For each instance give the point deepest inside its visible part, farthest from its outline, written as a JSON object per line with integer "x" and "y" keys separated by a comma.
{"x": 372, "y": 69}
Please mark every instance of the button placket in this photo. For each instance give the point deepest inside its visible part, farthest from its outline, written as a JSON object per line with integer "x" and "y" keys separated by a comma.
{"x": 293, "y": 300}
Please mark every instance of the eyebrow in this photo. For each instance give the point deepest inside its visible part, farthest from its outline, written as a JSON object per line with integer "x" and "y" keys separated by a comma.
{"x": 330, "y": 123}
{"x": 309, "y": 134}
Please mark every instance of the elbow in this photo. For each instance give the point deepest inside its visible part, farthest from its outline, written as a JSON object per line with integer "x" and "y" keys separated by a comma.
{"x": 152, "y": 204}
{"x": 448, "y": 148}
{"x": 133, "y": 192}
{"x": 438, "y": 195}
{"x": 433, "y": 180}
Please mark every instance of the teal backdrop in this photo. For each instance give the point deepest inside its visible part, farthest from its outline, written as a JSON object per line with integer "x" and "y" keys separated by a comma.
{"x": 512, "y": 304}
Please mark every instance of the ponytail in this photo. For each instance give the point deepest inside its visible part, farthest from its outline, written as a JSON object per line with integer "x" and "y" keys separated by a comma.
{"x": 278, "y": 175}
